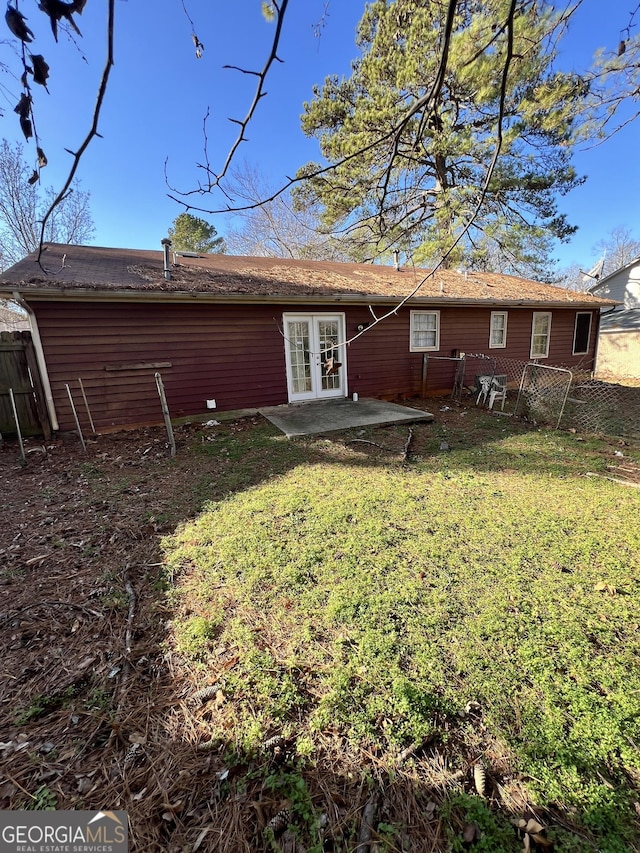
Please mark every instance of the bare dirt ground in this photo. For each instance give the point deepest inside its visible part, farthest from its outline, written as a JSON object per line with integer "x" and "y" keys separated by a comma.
{"x": 94, "y": 708}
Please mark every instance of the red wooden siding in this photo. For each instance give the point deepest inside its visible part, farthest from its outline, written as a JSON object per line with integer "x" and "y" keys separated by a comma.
{"x": 380, "y": 363}
{"x": 235, "y": 354}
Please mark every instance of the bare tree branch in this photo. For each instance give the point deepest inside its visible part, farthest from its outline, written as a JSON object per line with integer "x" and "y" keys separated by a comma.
{"x": 483, "y": 192}
{"x": 93, "y": 131}
{"x": 22, "y": 203}
{"x": 627, "y": 30}
{"x": 431, "y": 97}
{"x": 194, "y": 36}
{"x": 509, "y": 27}
{"x": 259, "y": 93}
{"x": 320, "y": 24}
{"x": 392, "y": 136}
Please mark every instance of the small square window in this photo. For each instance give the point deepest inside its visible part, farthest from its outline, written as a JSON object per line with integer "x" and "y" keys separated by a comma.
{"x": 540, "y": 334}
{"x": 425, "y": 331}
{"x": 498, "y": 329}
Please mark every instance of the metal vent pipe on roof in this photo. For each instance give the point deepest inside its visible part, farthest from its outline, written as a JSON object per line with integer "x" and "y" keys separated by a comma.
{"x": 166, "y": 245}
{"x": 396, "y": 261}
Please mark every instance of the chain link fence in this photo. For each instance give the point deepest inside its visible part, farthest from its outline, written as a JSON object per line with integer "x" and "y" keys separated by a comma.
{"x": 569, "y": 398}
{"x": 543, "y": 393}
{"x": 603, "y": 407}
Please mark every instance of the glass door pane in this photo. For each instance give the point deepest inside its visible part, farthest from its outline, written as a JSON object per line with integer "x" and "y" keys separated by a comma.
{"x": 298, "y": 339}
{"x": 328, "y": 332}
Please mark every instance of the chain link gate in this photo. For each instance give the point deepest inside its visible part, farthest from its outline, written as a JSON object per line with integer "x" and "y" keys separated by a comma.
{"x": 543, "y": 393}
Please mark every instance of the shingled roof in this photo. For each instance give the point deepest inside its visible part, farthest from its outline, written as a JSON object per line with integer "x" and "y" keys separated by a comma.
{"x": 93, "y": 272}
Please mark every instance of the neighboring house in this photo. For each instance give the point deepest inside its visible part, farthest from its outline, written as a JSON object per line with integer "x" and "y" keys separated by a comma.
{"x": 619, "y": 345}
{"x": 13, "y": 321}
{"x": 234, "y": 333}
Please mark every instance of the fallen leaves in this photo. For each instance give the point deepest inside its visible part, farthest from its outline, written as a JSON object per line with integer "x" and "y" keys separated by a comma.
{"x": 533, "y": 831}
{"x": 603, "y": 586}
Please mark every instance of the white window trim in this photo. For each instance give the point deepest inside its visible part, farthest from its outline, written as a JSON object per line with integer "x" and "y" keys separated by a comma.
{"x": 575, "y": 331}
{"x": 437, "y": 331}
{"x": 536, "y": 314}
{"x": 504, "y": 340}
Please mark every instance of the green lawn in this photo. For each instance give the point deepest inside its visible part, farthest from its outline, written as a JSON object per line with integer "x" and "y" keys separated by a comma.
{"x": 476, "y": 607}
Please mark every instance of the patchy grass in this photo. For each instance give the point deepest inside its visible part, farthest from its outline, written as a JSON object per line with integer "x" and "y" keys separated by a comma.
{"x": 484, "y": 601}
{"x": 357, "y": 642}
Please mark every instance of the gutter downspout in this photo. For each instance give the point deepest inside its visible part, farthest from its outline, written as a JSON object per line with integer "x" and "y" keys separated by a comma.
{"x": 42, "y": 364}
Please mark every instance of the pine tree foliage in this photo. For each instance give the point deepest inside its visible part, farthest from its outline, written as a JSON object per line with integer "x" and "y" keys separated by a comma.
{"x": 192, "y": 234}
{"x": 411, "y": 135}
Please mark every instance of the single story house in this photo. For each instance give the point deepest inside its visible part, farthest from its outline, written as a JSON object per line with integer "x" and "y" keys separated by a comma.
{"x": 232, "y": 333}
{"x": 619, "y": 344}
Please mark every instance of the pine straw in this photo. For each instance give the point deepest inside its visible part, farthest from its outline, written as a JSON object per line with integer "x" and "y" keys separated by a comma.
{"x": 174, "y": 792}
{"x": 89, "y": 723}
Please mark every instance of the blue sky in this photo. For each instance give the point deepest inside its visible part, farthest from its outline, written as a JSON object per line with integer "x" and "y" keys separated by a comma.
{"x": 159, "y": 94}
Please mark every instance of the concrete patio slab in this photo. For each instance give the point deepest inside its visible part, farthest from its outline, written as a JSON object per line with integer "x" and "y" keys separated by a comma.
{"x": 318, "y": 416}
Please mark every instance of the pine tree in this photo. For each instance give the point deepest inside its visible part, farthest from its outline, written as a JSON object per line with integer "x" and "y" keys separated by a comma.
{"x": 416, "y": 136}
{"x": 192, "y": 234}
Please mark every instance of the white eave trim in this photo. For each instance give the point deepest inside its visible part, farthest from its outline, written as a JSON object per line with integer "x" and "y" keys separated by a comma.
{"x": 91, "y": 295}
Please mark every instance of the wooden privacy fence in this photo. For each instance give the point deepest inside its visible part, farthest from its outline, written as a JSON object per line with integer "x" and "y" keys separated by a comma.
{"x": 19, "y": 374}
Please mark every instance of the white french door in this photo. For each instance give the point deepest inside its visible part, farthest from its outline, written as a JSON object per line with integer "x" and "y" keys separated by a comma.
{"x": 316, "y": 364}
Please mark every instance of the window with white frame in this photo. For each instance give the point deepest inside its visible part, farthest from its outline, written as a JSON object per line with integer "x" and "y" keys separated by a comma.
{"x": 425, "y": 331}
{"x": 582, "y": 333}
{"x": 498, "y": 330}
{"x": 540, "y": 334}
